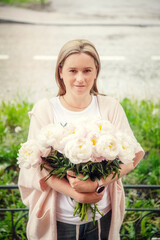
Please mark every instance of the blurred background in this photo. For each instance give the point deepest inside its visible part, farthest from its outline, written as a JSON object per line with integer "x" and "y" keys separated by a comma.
{"x": 126, "y": 34}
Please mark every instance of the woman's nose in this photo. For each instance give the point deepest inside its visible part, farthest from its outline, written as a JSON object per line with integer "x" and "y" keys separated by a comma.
{"x": 80, "y": 77}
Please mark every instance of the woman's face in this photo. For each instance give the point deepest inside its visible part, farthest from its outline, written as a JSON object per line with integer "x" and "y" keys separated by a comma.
{"x": 78, "y": 73}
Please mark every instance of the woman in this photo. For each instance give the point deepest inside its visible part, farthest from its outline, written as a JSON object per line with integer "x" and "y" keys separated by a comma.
{"x": 49, "y": 202}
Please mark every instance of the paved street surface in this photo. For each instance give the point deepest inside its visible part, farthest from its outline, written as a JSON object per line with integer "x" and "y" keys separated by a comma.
{"x": 126, "y": 36}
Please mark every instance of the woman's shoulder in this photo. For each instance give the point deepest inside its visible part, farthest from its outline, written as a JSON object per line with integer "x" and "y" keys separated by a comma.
{"x": 108, "y": 106}
{"x": 42, "y": 111}
{"x": 42, "y": 102}
{"x": 106, "y": 99}
{"x": 41, "y": 106}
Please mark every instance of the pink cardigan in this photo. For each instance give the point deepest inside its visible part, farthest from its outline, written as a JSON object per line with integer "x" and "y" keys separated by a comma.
{"x": 41, "y": 199}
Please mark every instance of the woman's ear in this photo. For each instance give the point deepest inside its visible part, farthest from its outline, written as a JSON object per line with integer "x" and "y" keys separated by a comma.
{"x": 60, "y": 72}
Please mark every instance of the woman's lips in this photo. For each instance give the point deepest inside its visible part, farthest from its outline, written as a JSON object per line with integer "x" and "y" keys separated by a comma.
{"x": 79, "y": 86}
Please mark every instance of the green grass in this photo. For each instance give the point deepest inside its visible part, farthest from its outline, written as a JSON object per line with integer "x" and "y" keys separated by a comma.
{"x": 147, "y": 172}
{"x": 12, "y": 2}
{"x": 144, "y": 118}
{"x": 13, "y": 115}
{"x": 20, "y": 3}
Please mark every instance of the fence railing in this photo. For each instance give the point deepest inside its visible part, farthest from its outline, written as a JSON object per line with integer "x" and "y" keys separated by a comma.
{"x": 150, "y": 211}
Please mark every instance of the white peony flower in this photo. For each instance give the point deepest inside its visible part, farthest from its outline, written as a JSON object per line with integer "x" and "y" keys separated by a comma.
{"x": 78, "y": 150}
{"x": 29, "y": 154}
{"x": 45, "y": 151}
{"x": 127, "y": 147}
{"x": 72, "y": 131}
{"x": 104, "y": 126}
{"x": 107, "y": 147}
{"x": 69, "y": 129}
{"x": 92, "y": 129}
{"x": 94, "y": 136}
{"x": 89, "y": 124}
{"x": 50, "y": 135}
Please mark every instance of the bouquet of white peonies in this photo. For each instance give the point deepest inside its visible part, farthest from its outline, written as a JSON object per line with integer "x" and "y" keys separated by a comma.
{"x": 91, "y": 147}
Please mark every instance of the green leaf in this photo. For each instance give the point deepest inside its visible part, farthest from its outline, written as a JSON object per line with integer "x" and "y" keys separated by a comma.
{"x": 84, "y": 178}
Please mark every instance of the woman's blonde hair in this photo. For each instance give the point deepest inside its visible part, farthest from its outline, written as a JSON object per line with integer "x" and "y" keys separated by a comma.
{"x": 72, "y": 47}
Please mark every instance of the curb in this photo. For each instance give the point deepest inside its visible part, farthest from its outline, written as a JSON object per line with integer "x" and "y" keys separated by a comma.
{"x": 89, "y": 24}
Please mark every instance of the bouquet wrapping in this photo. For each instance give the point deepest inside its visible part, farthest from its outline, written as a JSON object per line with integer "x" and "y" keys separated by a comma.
{"x": 91, "y": 147}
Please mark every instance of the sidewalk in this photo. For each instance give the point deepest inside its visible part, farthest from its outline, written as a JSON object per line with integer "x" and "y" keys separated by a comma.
{"x": 71, "y": 15}
{"x": 21, "y": 15}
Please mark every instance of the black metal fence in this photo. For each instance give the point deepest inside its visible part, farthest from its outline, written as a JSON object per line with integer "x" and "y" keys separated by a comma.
{"x": 14, "y": 234}
{"x": 148, "y": 212}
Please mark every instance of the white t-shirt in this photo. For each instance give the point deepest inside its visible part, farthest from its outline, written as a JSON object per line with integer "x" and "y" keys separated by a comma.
{"x": 65, "y": 205}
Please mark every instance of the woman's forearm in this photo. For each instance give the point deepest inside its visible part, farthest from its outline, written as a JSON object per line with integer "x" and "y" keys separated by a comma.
{"x": 83, "y": 191}
{"x": 63, "y": 186}
{"x": 89, "y": 186}
{"x": 125, "y": 169}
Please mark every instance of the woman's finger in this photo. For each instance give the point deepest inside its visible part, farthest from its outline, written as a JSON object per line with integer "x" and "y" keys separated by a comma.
{"x": 71, "y": 174}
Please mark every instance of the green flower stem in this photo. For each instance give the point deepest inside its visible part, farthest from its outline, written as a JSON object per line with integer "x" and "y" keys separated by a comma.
{"x": 98, "y": 210}
{"x": 76, "y": 209}
{"x": 82, "y": 208}
{"x": 83, "y": 212}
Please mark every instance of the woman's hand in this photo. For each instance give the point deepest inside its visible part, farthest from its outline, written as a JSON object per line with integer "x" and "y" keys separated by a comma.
{"x": 91, "y": 198}
{"x": 63, "y": 186}
{"x": 81, "y": 186}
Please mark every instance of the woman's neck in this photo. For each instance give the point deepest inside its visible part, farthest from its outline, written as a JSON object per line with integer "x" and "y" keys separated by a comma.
{"x": 77, "y": 103}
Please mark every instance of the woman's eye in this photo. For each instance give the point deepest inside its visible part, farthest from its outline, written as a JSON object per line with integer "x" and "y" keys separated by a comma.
{"x": 72, "y": 70}
{"x": 88, "y": 70}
